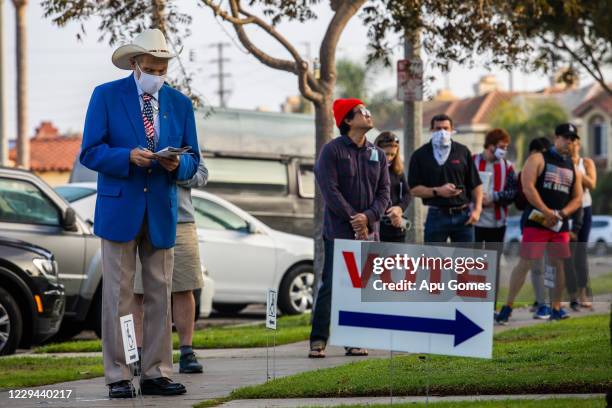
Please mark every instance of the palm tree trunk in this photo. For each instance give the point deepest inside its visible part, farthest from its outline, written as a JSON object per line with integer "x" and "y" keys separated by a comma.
{"x": 23, "y": 141}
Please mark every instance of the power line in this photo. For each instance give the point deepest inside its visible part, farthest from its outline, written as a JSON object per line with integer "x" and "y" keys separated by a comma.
{"x": 222, "y": 91}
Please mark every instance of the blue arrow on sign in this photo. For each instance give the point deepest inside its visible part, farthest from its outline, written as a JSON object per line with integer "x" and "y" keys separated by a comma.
{"x": 462, "y": 327}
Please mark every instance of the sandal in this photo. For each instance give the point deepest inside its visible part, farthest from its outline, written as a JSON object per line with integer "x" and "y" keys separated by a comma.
{"x": 317, "y": 349}
{"x": 355, "y": 352}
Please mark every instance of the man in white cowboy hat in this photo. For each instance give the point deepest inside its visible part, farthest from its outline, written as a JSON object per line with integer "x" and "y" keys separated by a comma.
{"x": 136, "y": 209}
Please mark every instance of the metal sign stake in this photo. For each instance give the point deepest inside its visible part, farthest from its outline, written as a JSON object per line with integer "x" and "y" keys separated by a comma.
{"x": 271, "y": 324}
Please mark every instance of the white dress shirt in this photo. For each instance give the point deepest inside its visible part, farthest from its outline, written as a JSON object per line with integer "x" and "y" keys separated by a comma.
{"x": 154, "y": 104}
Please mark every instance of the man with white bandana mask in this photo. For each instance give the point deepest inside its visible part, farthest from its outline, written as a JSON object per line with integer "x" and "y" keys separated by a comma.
{"x": 443, "y": 175}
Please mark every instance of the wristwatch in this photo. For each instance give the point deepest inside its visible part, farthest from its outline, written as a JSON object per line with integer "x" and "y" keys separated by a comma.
{"x": 435, "y": 193}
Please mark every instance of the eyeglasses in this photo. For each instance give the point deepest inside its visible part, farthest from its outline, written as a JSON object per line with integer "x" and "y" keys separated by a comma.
{"x": 366, "y": 113}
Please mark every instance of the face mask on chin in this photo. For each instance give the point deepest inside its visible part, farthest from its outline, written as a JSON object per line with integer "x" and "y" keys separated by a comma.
{"x": 441, "y": 138}
{"x": 150, "y": 84}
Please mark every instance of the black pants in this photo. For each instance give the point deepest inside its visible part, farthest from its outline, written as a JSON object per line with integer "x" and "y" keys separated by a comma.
{"x": 493, "y": 239}
{"x": 577, "y": 267}
{"x": 321, "y": 314}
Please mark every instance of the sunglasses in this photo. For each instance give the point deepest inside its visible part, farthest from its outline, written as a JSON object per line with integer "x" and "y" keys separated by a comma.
{"x": 366, "y": 113}
{"x": 389, "y": 139}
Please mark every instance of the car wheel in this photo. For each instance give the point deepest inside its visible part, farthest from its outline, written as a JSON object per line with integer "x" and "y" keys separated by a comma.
{"x": 11, "y": 324}
{"x": 229, "y": 308}
{"x": 601, "y": 248}
{"x": 296, "y": 290}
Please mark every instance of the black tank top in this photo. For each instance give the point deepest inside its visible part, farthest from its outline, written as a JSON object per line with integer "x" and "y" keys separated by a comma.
{"x": 555, "y": 185}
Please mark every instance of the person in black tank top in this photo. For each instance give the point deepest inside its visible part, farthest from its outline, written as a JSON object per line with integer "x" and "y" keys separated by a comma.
{"x": 553, "y": 190}
{"x": 554, "y": 185}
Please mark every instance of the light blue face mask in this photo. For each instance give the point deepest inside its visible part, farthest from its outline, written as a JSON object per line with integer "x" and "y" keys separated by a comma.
{"x": 441, "y": 137}
{"x": 150, "y": 84}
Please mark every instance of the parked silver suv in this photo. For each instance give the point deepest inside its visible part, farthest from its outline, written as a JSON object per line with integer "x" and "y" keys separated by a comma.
{"x": 31, "y": 211}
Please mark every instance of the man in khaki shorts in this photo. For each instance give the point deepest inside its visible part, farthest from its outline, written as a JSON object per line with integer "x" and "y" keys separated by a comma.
{"x": 186, "y": 277}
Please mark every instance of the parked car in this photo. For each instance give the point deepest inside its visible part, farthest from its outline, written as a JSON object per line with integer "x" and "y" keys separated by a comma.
{"x": 32, "y": 300}
{"x": 243, "y": 255}
{"x": 600, "y": 238}
{"x": 30, "y": 210}
{"x": 512, "y": 239}
{"x": 277, "y": 189}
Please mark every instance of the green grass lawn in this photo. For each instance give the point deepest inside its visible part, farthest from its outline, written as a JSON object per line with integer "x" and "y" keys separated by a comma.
{"x": 546, "y": 403}
{"x": 571, "y": 356}
{"x": 19, "y": 372}
{"x": 289, "y": 330}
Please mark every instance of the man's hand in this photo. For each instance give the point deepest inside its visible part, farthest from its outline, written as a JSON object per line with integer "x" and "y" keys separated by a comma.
{"x": 487, "y": 201}
{"x": 169, "y": 163}
{"x": 395, "y": 215}
{"x": 448, "y": 190}
{"x": 551, "y": 218}
{"x": 359, "y": 222}
{"x": 362, "y": 235}
{"x": 474, "y": 217}
{"x": 141, "y": 157}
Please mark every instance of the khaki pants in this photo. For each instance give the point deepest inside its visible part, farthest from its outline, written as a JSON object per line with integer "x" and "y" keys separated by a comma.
{"x": 118, "y": 269}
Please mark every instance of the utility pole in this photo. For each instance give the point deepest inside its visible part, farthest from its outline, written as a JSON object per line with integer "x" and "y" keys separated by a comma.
{"x": 221, "y": 75}
{"x": 3, "y": 98}
{"x": 413, "y": 126}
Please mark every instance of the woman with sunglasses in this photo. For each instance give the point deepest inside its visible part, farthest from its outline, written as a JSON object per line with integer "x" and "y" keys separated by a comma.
{"x": 392, "y": 224}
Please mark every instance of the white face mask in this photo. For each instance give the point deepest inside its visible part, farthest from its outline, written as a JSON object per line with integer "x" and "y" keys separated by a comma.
{"x": 441, "y": 138}
{"x": 150, "y": 84}
{"x": 500, "y": 153}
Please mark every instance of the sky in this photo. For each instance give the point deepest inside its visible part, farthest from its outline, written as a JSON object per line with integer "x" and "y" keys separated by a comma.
{"x": 63, "y": 71}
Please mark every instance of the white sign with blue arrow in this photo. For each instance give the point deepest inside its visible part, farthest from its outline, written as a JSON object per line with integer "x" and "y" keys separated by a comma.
{"x": 450, "y": 327}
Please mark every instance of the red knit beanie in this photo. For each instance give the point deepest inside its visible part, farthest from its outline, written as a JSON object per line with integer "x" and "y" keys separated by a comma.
{"x": 342, "y": 107}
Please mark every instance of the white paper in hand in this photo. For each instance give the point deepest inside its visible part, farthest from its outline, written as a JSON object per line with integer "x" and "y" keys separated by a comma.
{"x": 170, "y": 151}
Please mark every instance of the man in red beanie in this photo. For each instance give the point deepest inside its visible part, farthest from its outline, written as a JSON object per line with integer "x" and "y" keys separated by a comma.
{"x": 354, "y": 181}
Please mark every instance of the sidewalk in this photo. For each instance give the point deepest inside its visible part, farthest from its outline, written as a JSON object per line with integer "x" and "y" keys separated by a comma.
{"x": 225, "y": 370}
{"x": 335, "y": 402}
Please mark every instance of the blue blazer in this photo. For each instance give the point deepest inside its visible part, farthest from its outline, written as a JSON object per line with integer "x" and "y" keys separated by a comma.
{"x": 126, "y": 192}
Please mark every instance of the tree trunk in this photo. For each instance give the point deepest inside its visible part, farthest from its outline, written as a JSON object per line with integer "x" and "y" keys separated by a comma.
{"x": 23, "y": 141}
{"x": 158, "y": 15}
{"x": 324, "y": 132}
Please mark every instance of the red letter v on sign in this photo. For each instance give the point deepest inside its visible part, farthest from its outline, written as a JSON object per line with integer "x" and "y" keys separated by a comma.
{"x": 351, "y": 265}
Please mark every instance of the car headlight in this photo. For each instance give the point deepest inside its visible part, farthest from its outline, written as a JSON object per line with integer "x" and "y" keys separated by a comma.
{"x": 45, "y": 266}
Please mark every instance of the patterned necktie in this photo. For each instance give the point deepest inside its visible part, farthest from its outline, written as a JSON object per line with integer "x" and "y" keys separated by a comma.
{"x": 147, "y": 117}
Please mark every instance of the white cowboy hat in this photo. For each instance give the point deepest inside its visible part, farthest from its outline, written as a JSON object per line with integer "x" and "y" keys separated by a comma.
{"x": 151, "y": 42}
